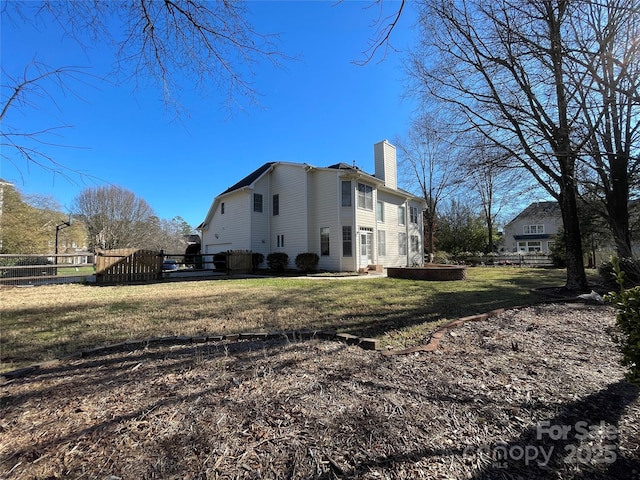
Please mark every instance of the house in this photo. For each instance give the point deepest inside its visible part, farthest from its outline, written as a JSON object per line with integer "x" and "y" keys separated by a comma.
{"x": 533, "y": 230}
{"x": 349, "y": 218}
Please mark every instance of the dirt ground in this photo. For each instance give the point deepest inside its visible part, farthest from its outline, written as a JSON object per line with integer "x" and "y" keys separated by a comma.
{"x": 533, "y": 393}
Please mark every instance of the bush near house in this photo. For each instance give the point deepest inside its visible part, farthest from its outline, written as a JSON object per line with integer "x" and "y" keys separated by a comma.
{"x": 627, "y": 304}
{"x": 220, "y": 261}
{"x": 630, "y": 268}
{"x": 277, "y": 261}
{"x": 307, "y": 261}
{"x": 256, "y": 260}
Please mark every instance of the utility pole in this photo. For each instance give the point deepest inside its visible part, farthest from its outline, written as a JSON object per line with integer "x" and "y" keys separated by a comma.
{"x": 58, "y": 228}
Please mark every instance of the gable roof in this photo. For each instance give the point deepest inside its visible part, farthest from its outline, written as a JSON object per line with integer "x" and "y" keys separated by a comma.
{"x": 343, "y": 166}
{"x": 249, "y": 179}
{"x": 540, "y": 209}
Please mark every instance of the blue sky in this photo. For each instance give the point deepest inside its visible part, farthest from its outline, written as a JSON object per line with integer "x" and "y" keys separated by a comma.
{"x": 320, "y": 109}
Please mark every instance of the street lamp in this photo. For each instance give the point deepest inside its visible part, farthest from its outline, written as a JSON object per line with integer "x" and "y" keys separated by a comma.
{"x": 62, "y": 226}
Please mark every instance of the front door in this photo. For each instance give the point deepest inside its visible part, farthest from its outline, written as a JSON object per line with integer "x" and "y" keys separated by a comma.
{"x": 366, "y": 239}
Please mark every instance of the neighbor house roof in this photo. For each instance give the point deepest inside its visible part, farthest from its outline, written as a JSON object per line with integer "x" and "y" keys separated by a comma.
{"x": 540, "y": 209}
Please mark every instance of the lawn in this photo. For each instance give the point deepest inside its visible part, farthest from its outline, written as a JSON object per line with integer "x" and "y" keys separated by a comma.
{"x": 47, "y": 322}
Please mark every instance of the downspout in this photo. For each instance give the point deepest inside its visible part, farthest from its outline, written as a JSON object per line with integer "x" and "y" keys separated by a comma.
{"x": 356, "y": 231}
{"x": 269, "y": 212}
{"x": 406, "y": 233}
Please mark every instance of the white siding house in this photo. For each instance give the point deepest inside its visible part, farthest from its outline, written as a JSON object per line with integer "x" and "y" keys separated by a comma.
{"x": 351, "y": 219}
{"x": 533, "y": 229}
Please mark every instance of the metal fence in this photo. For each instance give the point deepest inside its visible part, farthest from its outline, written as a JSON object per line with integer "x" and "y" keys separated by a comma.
{"x": 117, "y": 266}
{"x": 43, "y": 269}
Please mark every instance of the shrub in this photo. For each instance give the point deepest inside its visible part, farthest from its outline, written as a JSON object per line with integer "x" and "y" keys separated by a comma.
{"x": 220, "y": 261}
{"x": 278, "y": 261}
{"x": 256, "y": 260}
{"x": 630, "y": 267}
{"x": 627, "y": 304}
{"x": 307, "y": 261}
{"x": 441, "y": 257}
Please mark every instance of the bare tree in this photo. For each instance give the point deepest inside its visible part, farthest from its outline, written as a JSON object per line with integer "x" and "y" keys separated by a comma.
{"x": 502, "y": 65}
{"x": 34, "y": 86}
{"x": 605, "y": 69}
{"x": 494, "y": 183}
{"x": 428, "y": 166}
{"x": 171, "y": 43}
{"x": 114, "y": 218}
{"x": 384, "y": 25}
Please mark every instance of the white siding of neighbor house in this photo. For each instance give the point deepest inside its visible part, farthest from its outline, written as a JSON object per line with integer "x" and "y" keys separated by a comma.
{"x": 324, "y": 211}
{"x": 289, "y": 181}
{"x": 232, "y": 228}
{"x": 552, "y": 226}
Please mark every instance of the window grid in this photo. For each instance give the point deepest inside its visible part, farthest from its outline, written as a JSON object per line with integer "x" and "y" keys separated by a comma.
{"x": 346, "y": 193}
{"x": 415, "y": 244}
{"x": 365, "y": 196}
{"x": 402, "y": 243}
{"x": 257, "y": 202}
{"x": 413, "y": 215}
{"x": 382, "y": 243}
{"x": 533, "y": 229}
{"x": 347, "y": 242}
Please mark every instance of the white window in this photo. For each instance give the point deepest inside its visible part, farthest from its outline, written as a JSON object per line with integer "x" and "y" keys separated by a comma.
{"x": 529, "y": 246}
{"x": 413, "y": 215}
{"x": 346, "y": 193}
{"x": 347, "y": 242}
{"x": 280, "y": 241}
{"x": 382, "y": 243}
{"x": 257, "y": 202}
{"x": 402, "y": 243}
{"x": 324, "y": 241}
{"x": 533, "y": 229}
{"x": 401, "y": 215}
{"x": 276, "y": 205}
{"x": 415, "y": 244}
{"x": 380, "y": 211}
{"x": 365, "y": 196}
{"x": 222, "y": 208}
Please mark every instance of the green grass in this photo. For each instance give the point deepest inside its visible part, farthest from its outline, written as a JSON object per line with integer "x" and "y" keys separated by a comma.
{"x": 46, "y": 322}
{"x": 73, "y": 271}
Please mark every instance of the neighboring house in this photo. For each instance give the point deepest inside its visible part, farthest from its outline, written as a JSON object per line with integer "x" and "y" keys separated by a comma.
{"x": 533, "y": 230}
{"x": 351, "y": 219}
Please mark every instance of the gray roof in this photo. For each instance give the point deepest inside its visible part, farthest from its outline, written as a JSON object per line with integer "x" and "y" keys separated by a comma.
{"x": 540, "y": 209}
{"x": 249, "y": 179}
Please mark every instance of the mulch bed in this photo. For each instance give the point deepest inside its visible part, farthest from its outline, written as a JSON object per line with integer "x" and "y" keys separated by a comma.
{"x": 535, "y": 392}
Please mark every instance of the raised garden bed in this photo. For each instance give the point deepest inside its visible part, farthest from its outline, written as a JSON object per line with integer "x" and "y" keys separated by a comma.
{"x": 431, "y": 271}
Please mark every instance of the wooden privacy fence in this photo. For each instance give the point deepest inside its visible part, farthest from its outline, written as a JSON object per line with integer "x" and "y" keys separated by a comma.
{"x": 125, "y": 265}
{"x": 239, "y": 261}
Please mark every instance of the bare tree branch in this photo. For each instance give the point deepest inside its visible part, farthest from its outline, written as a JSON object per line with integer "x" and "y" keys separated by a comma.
{"x": 384, "y": 26}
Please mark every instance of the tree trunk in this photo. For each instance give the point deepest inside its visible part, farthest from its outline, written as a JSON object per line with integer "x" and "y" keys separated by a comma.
{"x": 576, "y": 277}
{"x": 618, "y": 208}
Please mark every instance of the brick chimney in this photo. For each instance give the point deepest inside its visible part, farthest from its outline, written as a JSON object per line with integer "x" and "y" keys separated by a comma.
{"x": 385, "y": 161}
